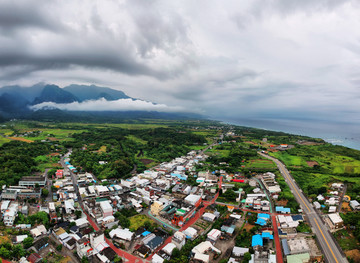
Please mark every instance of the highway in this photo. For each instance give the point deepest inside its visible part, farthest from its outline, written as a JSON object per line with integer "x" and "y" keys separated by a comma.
{"x": 328, "y": 246}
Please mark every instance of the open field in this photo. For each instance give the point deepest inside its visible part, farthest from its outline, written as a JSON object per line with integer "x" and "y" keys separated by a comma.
{"x": 136, "y": 139}
{"x": 21, "y": 139}
{"x": 326, "y": 158}
{"x": 3, "y": 140}
{"x": 354, "y": 254}
{"x": 346, "y": 240}
{"x": 260, "y": 163}
{"x": 138, "y": 221}
{"x": 102, "y": 149}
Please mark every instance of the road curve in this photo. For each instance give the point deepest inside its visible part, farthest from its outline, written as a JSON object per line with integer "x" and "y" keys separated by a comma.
{"x": 332, "y": 252}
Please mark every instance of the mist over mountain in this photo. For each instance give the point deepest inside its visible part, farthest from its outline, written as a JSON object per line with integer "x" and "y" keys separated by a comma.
{"x": 78, "y": 102}
{"x": 92, "y": 92}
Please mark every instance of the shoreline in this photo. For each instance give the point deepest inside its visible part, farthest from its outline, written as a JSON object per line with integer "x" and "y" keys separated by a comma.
{"x": 330, "y": 132}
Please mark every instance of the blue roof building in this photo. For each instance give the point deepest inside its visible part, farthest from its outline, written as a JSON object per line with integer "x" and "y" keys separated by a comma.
{"x": 283, "y": 210}
{"x": 144, "y": 234}
{"x": 267, "y": 235}
{"x": 264, "y": 216}
{"x": 180, "y": 176}
{"x": 256, "y": 241}
{"x": 260, "y": 222}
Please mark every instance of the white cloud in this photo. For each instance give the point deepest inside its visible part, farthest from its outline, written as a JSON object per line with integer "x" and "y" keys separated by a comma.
{"x": 104, "y": 105}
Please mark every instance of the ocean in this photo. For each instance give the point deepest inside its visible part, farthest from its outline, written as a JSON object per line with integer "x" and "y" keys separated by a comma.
{"x": 345, "y": 134}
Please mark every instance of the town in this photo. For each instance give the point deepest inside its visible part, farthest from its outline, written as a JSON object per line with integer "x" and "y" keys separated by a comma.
{"x": 177, "y": 209}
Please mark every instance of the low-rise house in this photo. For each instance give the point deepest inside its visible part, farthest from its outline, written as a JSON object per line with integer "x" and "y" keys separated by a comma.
{"x": 168, "y": 249}
{"x": 156, "y": 207}
{"x": 155, "y": 243}
{"x": 239, "y": 251}
{"x": 83, "y": 248}
{"x": 106, "y": 208}
{"x": 124, "y": 234}
{"x": 317, "y": 205}
{"x": 335, "y": 220}
{"x": 282, "y": 210}
{"x": 179, "y": 239}
{"x": 355, "y": 205}
{"x": 10, "y": 214}
{"x": 38, "y": 231}
{"x": 190, "y": 232}
{"x": 33, "y": 181}
{"x": 34, "y": 258}
{"x": 214, "y": 235}
{"x": 20, "y": 238}
{"x": 209, "y": 217}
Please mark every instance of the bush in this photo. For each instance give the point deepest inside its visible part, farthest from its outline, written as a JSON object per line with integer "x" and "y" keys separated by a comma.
{"x": 59, "y": 248}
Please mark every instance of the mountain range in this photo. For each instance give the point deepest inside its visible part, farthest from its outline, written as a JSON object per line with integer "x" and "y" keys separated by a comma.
{"x": 16, "y": 102}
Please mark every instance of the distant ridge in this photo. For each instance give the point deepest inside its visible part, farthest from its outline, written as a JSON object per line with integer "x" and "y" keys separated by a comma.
{"x": 16, "y": 102}
{"x": 92, "y": 92}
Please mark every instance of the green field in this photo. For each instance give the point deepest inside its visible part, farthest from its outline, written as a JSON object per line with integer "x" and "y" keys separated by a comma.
{"x": 346, "y": 240}
{"x": 136, "y": 139}
{"x": 3, "y": 140}
{"x": 260, "y": 163}
{"x": 334, "y": 164}
{"x": 138, "y": 221}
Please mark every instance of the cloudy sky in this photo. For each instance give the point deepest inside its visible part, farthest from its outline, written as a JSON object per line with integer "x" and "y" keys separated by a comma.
{"x": 225, "y": 59}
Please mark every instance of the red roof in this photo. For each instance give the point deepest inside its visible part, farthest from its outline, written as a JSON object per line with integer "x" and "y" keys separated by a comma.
{"x": 33, "y": 258}
{"x": 238, "y": 180}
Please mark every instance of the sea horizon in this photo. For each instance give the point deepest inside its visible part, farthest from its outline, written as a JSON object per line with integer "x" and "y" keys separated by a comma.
{"x": 345, "y": 134}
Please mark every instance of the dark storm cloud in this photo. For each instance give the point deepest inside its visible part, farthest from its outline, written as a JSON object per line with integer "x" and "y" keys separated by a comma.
{"x": 90, "y": 42}
{"x": 228, "y": 58}
{"x": 25, "y": 14}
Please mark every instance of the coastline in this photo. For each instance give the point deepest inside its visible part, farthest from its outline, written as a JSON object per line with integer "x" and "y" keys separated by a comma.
{"x": 344, "y": 134}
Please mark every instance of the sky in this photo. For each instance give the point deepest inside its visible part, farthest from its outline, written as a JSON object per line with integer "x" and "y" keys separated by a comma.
{"x": 224, "y": 59}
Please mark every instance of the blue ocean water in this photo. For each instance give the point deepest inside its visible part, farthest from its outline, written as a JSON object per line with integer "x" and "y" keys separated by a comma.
{"x": 346, "y": 134}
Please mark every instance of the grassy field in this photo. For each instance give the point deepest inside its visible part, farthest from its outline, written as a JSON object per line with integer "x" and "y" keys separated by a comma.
{"x": 346, "y": 240}
{"x": 3, "y": 140}
{"x": 289, "y": 160}
{"x": 136, "y": 139}
{"x": 260, "y": 163}
{"x": 218, "y": 150}
{"x": 138, "y": 221}
{"x": 102, "y": 149}
{"x": 326, "y": 159}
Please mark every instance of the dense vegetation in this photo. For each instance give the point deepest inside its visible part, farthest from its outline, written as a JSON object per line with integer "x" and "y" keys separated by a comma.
{"x": 123, "y": 149}
{"x": 17, "y": 159}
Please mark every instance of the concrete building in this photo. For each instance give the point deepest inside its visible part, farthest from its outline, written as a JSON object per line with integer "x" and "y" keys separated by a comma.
{"x": 179, "y": 239}
{"x": 33, "y": 181}
{"x": 193, "y": 199}
{"x": 106, "y": 209}
{"x": 355, "y": 205}
{"x": 335, "y": 220}
{"x": 10, "y": 214}
{"x": 298, "y": 245}
{"x": 156, "y": 207}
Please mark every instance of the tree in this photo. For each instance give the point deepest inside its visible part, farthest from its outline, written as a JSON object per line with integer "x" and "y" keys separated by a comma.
{"x": 44, "y": 192}
{"x": 18, "y": 251}
{"x": 117, "y": 259}
{"x": 59, "y": 247}
{"x": 84, "y": 260}
{"x": 4, "y": 252}
{"x": 28, "y": 242}
{"x": 230, "y": 195}
{"x": 247, "y": 257}
{"x": 78, "y": 214}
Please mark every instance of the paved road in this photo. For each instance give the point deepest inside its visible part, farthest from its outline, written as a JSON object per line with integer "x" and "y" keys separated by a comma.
{"x": 331, "y": 252}
{"x": 125, "y": 255}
